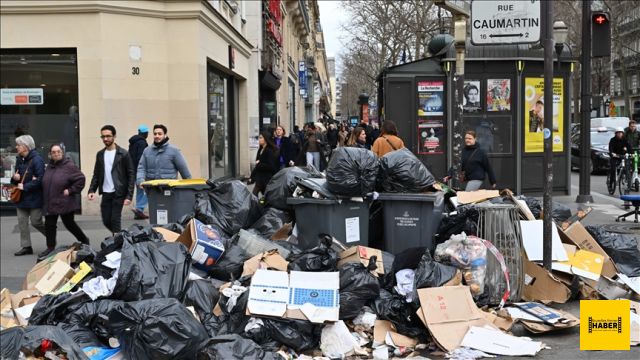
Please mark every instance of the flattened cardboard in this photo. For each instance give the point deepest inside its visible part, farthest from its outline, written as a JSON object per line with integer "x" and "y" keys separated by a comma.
{"x": 635, "y": 323}
{"x": 576, "y": 234}
{"x": 25, "y": 297}
{"x": 7, "y": 316}
{"x": 58, "y": 273}
{"x": 532, "y": 236}
{"x": 540, "y": 285}
{"x": 168, "y": 235}
{"x": 581, "y": 262}
{"x": 539, "y": 328}
{"x": 267, "y": 260}
{"x": 496, "y": 342}
{"x": 384, "y": 329}
{"x": 448, "y": 312}
{"x": 299, "y": 295}
{"x": 578, "y": 216}
{"x": 472, "y": 197}
{"x": 362, "y": 254}
{"x": 521, "y": 205}
{"x": 611, "y": 289}
{"x": 37, "y": 272}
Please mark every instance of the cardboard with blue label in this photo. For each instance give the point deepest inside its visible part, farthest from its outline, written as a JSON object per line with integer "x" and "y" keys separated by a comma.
{"x": 205, "y": 243}
{"x": 299, "y": 295}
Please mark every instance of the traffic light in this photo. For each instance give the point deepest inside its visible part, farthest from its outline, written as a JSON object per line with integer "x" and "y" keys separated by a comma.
{"x": 600, "y": 34}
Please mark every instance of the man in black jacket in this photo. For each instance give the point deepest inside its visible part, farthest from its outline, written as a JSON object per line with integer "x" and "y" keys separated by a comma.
{"x": 137, "y": 144}
{"x": 114, "y": 179}
{"x": 618, "y": 147}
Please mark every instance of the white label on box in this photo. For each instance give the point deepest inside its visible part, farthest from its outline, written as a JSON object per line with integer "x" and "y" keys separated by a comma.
{"x": 162, "y": 217}
{"x": 167, "y": 193}
{"x": 198, "y": 255}
{"x": 352, "y": 229}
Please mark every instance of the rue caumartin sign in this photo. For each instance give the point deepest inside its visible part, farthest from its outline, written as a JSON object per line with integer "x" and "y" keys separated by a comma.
{"x": 505, "y": 22}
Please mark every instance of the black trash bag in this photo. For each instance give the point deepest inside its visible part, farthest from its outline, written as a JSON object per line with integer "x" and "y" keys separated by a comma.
{"x": 53, "y": 309}
{"x": 357, "y": 288}
{"x": 152, "y": 270}
{"x": 352, "y": 171}
{"x": 296, "y": 334}
{"x": 622, "y": 248}
{"x": 184, "y": 219}
{"x": 202, "y": 295}
{"x": 401, "y": 171}
{"x": 533, "y": 204}
{"x": 82, "y": 335}
{"x": 157, "y": 329}
{"x": 95, "y": 316}
{"x": 229, "y": 205}
{"x": 465, "y": 220}
{"x": 406, "y": 259}
{"x": 232, "y": 262}
{"x": 176, "y": 227}
{"x": 283, "y": 184}
{"x": 560, "y": 212}
{"x": 394, "y": 308}
{"x": 134, "y": 234}
{"x": 431, "y": 273}
{"x": 84, "y": 254}
{"x": 30, "y": 338}
{"x": 232, "y": 347}
{"x": 233, "y": 319}
{"x": 270, "y": 222}
{"x": 320, "y": 258}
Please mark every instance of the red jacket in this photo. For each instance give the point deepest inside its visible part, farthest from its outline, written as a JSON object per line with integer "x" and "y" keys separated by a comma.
{"x": 59, "y": 176}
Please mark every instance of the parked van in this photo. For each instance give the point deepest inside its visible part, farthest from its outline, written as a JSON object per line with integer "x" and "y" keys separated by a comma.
{"x": 610, "y": 122}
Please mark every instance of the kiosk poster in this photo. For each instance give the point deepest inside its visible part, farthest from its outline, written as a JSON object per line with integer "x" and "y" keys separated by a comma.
{"x": 498, "y": 95}
{"x": 471, "y": 98}
{"x": 430, "y": 98}
{"x": 535, "y": 117}
{"x": 431, "y": 137}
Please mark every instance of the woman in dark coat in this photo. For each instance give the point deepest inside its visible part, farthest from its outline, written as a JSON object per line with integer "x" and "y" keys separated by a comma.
{"x": 62, "y": 180}
{"x": 475, "y": 164}
{"x": 266, "y": 163}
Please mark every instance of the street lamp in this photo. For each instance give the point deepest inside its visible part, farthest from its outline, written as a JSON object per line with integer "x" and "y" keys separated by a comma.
{"x": 560, "y": 33}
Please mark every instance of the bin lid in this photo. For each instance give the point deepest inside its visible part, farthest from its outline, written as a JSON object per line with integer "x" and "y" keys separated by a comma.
{"x": 411, "y": 196}
{"x": 188, "y": 183}
{"x": 303, "y": 200}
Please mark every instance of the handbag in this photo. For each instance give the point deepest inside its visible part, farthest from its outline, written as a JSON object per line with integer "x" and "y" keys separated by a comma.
{"x": 16, "y": 194}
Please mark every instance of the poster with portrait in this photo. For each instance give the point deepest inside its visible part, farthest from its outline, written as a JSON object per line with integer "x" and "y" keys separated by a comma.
{"x": 498, "y": 94}
{"x": 471, "y": 96}
{"x": 431, "y": 98}
{"x": 535, "y": 117}
{"x": 431, "y": 137}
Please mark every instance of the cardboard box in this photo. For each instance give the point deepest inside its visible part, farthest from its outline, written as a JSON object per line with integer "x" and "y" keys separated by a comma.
{"x": 578, "y": 216}
{"x": 83, "y": 270}
{"x": 168, "y": 235}
{"x": 362, "y": 254}
{"x": 37, "y": 272}
{"x": 448, "y": 313}
{"x": 576, "y": 234}
{"x": 267, "y": 260}
{"x": 540, "y": 285}
{"x": 204, "y": 243}
{"x": 385, "y": 333}
{"x": 298, "y": 295}
{"x": 58, "y": 273}
{"x": 581, "y": 262}
{"x": 25, "y": 297}
{"x": 472, "y": 197}
{"x": 7, "y": 316}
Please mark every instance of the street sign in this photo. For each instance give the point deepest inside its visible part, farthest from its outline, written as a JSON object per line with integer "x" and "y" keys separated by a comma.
{"x": 461, "y": 7}
{"x": 505, "y": 22}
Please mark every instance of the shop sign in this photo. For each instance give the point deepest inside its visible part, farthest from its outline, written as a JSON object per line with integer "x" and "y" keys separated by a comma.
{"x": 22, "y": 96}
{"x": 302, "y": 78}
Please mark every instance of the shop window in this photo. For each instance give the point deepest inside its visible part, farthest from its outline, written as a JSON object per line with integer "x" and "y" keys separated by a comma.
{"x": 220, "y": 122}
{"x": 292, "y": 105}
{"x": 39, "y": 97}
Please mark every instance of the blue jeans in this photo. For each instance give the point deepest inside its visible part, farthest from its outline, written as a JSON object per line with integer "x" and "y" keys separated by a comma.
{"x": 313, "y": 158}
{"x": 473, "y": 185}
{"x": 141, "y": 199}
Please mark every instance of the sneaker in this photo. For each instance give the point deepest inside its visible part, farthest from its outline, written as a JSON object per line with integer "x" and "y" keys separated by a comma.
{"x": 139, "y": 215}
{"x": 24, "y": 251}
{"x": 45, "y": 254}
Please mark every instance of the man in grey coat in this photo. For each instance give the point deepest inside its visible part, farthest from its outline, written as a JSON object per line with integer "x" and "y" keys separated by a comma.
{"x": 161, "y": 160}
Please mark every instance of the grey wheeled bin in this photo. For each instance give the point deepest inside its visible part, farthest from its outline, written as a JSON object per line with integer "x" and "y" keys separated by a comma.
{"x": 410, "y": 219}
{"x": 169, "y": 200}
{"x": 345, "y": 220}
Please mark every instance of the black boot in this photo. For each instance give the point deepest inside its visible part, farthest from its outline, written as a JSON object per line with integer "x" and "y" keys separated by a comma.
{"x": 24, "y": 251}
{"x": 43, "y": 255}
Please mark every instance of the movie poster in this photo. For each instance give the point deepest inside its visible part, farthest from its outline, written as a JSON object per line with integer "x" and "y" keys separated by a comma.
{"x": 535, "y": 117}
{"x": 498, "y": 94}
{"x": 471, "y": 96}
{"x": 431, "y": 98}
{"x": 431, "y": 136}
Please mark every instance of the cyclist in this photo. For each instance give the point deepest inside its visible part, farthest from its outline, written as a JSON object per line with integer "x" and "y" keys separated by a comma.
{"x": 618, "y": 147}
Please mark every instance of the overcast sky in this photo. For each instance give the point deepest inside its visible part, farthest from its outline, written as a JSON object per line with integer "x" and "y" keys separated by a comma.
{"x": 331, "y": 18}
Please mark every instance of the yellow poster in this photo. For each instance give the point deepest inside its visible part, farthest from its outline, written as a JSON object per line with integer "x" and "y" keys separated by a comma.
{"x": 534, "y": 116}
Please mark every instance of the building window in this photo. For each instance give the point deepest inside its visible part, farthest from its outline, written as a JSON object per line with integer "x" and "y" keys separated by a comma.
{"x": 634, "y": 83}
{"x": 220, "y": 110}
{"x": 39, "y": 97}
{"x": 292, "y": 104}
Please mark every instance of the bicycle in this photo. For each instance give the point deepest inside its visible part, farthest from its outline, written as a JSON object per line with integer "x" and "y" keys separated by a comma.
{"x": 621, "y": 178}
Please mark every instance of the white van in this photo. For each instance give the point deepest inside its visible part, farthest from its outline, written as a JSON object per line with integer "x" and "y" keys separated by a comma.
{"x": 610, "y": 122}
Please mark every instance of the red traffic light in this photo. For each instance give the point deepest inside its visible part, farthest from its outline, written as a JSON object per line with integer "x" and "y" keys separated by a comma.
{"x": 600, "y": 19}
